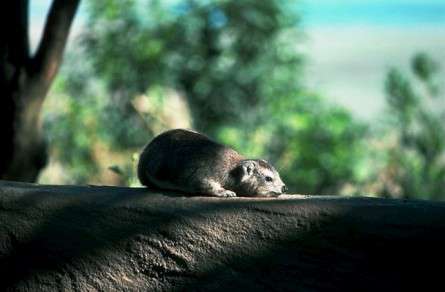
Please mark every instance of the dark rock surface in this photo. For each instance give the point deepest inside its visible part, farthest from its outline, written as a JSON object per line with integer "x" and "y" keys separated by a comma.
{"x": 72, "y": 238}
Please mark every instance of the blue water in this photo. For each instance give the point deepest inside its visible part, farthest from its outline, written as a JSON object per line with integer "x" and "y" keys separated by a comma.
{"x": 368, "y": 12}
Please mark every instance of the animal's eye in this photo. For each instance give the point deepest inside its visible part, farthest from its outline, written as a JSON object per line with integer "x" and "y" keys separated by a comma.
{"x": 268, "y": 179}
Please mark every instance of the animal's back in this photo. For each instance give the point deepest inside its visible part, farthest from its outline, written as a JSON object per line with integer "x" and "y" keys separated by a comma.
{"x": 176, "y": 158}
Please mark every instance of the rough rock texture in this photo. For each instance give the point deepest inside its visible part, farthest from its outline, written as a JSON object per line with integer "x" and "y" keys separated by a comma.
{"x": 112, "y": 239}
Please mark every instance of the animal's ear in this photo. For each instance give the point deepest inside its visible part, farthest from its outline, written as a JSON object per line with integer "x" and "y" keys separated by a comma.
{"x": 247, "y": 167}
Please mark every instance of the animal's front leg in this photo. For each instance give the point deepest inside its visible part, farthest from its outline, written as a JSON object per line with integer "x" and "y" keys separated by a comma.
{"x": 214, "y": 189}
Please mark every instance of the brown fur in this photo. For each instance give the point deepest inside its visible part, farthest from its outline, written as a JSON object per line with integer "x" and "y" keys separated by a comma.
{"x": 190, "y": 162}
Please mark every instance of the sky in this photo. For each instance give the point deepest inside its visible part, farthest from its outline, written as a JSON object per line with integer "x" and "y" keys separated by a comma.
{"x": 374, "y": 12}
{"x": 349, "y": 44}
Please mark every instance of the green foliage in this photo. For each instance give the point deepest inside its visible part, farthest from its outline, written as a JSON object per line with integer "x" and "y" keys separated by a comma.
{"x": 417, "y": 156}
{"x": 426, "y": 69}
{"x": 71, "y": 128}
{"x": 221, "y": 54}
{"x": 317, "y": 148}
{"x": 83, "y": 124}
{"x": 401, "y": 96}
{"x": 237, "y": 65}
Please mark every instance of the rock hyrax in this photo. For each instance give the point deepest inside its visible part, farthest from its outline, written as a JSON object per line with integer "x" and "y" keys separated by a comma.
{"x": 190, "y": 162}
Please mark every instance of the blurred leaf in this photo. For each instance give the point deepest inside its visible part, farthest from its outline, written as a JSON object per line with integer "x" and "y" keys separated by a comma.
{"x": 116, "y": 169}
{"x": 238, "y": 67}
{"x": 424, "y": 66}
{"x": 417, "y": 158}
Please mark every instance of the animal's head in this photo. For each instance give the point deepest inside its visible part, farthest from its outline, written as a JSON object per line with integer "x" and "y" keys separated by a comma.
{"x": 256, "y": 177}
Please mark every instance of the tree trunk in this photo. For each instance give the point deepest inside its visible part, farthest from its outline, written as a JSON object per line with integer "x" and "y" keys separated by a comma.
{"x": 72, "y": 238}
{"x": 24, "y": 83}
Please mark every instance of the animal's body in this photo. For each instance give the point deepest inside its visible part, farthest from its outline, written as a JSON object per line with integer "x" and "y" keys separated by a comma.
{"x": 190, "y": 162}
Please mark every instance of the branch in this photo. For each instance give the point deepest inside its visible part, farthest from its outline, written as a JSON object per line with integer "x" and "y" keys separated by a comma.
{"x": 50, "y": 51}
{"x": 14, "y": 48}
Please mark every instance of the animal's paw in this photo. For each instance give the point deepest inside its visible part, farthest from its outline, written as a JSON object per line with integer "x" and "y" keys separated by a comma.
{"x": 226, "y": 193}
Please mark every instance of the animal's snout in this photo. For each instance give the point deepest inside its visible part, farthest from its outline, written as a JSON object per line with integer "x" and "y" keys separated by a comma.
{"x": 283, "y": 189}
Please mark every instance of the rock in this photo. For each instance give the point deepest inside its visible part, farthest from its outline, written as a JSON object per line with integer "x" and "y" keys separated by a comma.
{"x": 85, "y": 238}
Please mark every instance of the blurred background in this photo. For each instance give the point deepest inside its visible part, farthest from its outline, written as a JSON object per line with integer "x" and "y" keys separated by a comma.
{"x": 343, "y": 97}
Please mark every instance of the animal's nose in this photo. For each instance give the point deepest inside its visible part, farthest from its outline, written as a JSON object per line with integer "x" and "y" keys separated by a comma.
{"x": 284, "y": 189}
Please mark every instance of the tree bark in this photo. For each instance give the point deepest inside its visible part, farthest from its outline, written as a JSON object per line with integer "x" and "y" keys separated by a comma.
{"x": 24, "y": 83}
{"x": 72, "y": 238}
